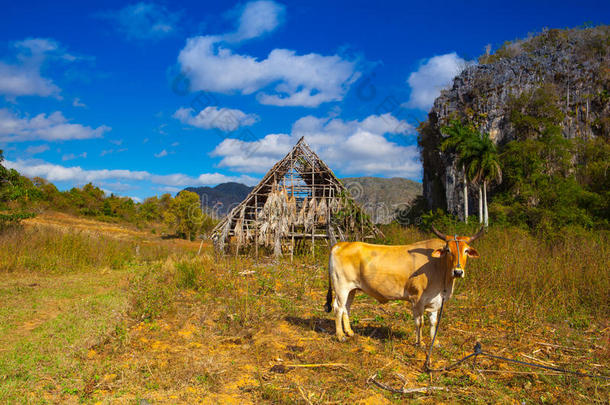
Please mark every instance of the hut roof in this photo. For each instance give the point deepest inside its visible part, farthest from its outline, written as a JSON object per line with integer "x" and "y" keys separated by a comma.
{"x": 301, "y": 160}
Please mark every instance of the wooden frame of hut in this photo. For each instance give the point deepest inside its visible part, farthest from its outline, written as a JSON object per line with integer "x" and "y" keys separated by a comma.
{"x": 299, "y": 199}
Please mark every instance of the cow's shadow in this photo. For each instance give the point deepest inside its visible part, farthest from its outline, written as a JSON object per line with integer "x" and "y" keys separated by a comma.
{"x": 326, "y": 326}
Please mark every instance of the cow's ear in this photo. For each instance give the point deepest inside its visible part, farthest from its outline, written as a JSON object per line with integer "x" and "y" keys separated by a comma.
{"x": 473, "y": 253}
{"x": 438, "y": 252}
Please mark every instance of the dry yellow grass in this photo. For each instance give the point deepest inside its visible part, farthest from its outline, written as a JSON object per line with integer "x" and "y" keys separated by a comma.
{"x": 228, "y": 330}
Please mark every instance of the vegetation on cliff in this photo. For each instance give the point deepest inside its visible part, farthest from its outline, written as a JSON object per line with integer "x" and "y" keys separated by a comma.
{"x": 544, "y": 102}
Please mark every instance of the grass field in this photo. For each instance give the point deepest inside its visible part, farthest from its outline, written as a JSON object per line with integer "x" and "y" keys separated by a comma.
{"x": 118, "y": 316}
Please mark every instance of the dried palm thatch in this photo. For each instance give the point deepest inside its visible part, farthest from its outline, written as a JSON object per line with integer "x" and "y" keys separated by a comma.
{"x": 311, "y": 215}
{"x": 238, "y": 231}
{"x": 315, "y": 205}
{"x": 292, "y": 210}
{"x": 302, "y": 213}
{"x": 322, "y": 211}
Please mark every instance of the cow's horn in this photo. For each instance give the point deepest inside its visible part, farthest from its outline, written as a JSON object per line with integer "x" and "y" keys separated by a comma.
{"x": 477, "y": 235}
{"x": 437, "y": 233}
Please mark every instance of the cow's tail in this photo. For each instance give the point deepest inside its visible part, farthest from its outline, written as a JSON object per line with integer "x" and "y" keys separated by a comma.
{"x": 329, "y": 295}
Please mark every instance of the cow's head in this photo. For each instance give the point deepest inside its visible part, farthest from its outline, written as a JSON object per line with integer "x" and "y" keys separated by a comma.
{"x": 457, "y": 251}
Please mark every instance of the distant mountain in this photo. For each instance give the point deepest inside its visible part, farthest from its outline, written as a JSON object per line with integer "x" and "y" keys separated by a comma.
{"x": 380, "y": 197}
{"x": 221, "y": 198}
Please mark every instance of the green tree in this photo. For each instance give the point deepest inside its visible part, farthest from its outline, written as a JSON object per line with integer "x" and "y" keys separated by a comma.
{"x": 184, "y": 215}
{"x": 14, "y": 188}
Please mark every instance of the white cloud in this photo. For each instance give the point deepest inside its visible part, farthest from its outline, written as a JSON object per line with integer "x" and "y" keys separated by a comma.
{"x": 54, "y": 127}
{"x": 23, "y": 77}
{"x": 34, "y": 150}
{"x": 169, "y": 189}
{"x": 353, "y": 147}
{"x": 72, "y": 156}
{"x": 225, "y": 119}
{"x": 283, "y": 78}
{"x": 257, "y": 18}
{"x": 118, "y": 186}
{"x": 161, "y": 154}
{"x": 110, "y": 151}
{"x": 78, "y": 103}
{"x": 294, "y": 80}
{"x": 144, "y": 20}
{"x": 54, "y": 172}
{"x": 431, "y": 77}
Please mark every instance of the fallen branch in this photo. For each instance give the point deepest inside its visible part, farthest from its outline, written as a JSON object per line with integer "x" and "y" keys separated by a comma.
{"x": 283, "y": 369}
{"x": 403, "y": 390}
{"x": 560, "y": 347}
{"x": 543, "y": 362}
{"x": 318, "y": 365}
{"x": 516, "y": 372}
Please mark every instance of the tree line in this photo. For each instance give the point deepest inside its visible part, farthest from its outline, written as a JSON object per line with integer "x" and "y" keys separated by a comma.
{"x": 21, "y": 197}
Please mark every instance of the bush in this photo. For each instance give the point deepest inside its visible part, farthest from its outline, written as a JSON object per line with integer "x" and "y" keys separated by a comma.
{"x": 152, "y": 290}
{"x": 187, "y": 274}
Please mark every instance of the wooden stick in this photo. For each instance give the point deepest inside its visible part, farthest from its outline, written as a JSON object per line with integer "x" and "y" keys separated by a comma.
{"x": 546, "y": 363}
{"x": 560, "y": 347}
{"x": 303, "y": 395}
{"x": 318, "y": 365}
{"x": 404, "y": 390}
{"x": 516, "y": 372}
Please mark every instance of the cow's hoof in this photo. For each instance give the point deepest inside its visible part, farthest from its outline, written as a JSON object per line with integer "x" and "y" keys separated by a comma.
{"x": 418, "y": 344}
{"x": 341, "y": 338}
{"x": 349, "y": 333}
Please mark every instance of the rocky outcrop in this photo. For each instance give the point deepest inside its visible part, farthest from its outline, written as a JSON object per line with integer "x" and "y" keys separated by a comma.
{"x": 574, "y": 63}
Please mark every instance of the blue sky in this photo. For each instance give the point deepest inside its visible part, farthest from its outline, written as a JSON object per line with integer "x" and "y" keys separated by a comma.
{"x": 143, "y": 98}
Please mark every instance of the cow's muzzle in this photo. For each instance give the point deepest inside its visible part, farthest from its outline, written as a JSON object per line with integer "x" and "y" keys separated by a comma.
{"x": 458, "y": 273}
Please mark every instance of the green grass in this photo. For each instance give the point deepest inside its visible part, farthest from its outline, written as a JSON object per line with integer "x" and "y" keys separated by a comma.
{"x": 63, "y": 293}
{"x": 49, "y": 327}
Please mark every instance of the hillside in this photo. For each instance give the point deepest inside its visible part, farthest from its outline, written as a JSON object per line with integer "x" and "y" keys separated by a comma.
{"x": 380, "y": 197}
{"x": 221, "y": 198}
{"x": 527, "y": 88}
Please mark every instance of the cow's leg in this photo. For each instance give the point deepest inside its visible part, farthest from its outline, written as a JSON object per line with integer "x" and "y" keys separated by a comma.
{"x": 418, "y": 316}
{"x": 433, "y": 323}
{"x": 341, "y": 296}
{"x": 346, "y": 326}
{"x": 338, "y": 326}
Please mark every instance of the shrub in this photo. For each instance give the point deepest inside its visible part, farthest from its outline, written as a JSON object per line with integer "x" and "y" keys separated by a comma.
{"x": 152, "y": 290}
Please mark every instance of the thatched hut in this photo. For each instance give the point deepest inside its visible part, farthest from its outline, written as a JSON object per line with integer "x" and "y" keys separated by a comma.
{"x": 299, "y": 199}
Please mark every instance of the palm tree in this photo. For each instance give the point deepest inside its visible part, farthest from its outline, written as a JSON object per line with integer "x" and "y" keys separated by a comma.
{"x": 482, "y": 162}
{"x": 469, "y": 159}
{"x": 458, "y": 136}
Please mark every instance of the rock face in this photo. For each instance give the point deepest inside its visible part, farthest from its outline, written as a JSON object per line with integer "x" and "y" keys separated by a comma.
{"x": 576, "y": 63}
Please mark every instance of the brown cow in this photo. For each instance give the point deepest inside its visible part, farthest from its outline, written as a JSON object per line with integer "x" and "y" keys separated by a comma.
{"x": 423, "y": 273}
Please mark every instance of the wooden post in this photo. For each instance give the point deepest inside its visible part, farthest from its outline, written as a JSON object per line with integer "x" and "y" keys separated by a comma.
{"x": 256, "y": 227}
{"x": 313, "y": 227}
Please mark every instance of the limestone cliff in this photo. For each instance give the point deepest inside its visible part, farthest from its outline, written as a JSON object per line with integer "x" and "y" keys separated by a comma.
{"x": 574, "y": 63}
